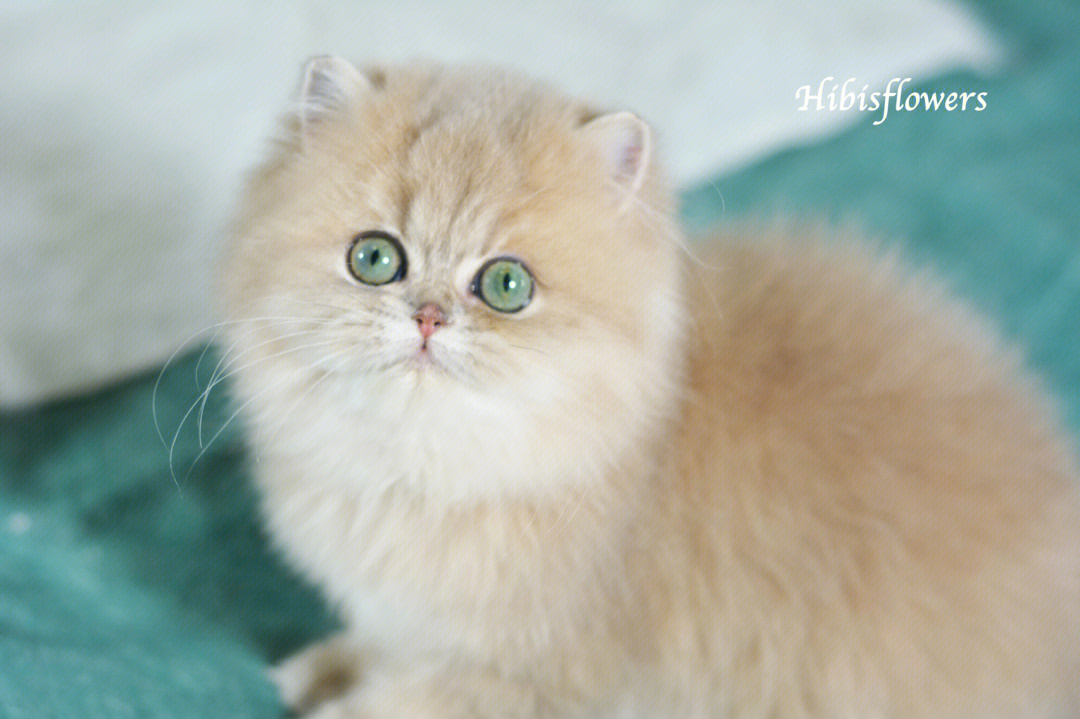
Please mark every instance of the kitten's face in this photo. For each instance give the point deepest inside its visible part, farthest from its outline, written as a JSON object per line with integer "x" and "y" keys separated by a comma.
{"x": 456, "y": 269}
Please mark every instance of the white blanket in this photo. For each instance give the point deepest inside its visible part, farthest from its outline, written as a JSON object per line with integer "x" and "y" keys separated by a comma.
{"x": 127, "y": 127}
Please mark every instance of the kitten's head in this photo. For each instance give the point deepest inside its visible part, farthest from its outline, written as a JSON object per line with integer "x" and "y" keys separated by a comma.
{"x": 455, "y": 279}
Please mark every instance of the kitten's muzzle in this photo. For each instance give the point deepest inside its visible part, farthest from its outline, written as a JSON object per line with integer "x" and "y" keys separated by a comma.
{"x": 429, "y": 318}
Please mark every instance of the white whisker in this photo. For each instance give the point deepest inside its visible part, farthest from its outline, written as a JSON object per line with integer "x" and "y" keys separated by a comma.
{"x": 252, "y": 398}
{"x": 345, "y": 354}
{"x": 201, "y": 398}
{"x": 157, "y": 382}
{"x": 216, "y": 376}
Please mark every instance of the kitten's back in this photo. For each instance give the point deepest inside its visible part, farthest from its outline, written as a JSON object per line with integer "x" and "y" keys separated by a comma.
{"x": 880, "y": 483}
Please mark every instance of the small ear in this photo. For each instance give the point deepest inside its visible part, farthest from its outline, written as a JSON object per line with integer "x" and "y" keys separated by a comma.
{"x": 625, "y": 143}
{"x": 331, "y": 86}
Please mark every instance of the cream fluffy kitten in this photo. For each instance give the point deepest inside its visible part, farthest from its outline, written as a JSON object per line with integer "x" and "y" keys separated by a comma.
{"x": 547, "y": 466}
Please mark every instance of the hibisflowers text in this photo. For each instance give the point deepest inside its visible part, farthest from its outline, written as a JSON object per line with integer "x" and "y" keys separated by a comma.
{"x": 832, "y": 95}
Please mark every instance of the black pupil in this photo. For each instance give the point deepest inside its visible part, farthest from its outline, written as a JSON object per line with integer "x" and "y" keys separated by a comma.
{"x": 506, "y": 282}
{"x": 375, "y": 256}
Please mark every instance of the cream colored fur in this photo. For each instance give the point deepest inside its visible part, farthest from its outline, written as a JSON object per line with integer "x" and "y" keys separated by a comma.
{"x": 785, "y": 479}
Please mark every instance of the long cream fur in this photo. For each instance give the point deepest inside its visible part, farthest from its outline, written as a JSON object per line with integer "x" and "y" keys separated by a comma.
{"x": 784, "y": 478}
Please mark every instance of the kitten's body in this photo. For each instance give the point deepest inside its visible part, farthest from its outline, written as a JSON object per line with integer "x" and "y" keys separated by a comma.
{"x": 796, "y": 485}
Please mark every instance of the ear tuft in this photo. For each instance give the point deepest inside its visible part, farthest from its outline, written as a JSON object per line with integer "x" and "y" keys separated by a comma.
{"x": 625, "y": 144}
{"x": 331, "y": 86}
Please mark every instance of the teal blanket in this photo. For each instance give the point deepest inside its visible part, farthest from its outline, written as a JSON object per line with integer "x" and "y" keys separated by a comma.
{"x": 126, "y": 592}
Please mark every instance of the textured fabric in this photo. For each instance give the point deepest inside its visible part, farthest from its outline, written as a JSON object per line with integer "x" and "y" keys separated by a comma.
{"x": 124, "y": 593}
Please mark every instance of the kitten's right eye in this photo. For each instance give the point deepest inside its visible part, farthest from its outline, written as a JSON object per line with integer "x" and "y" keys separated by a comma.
{"x": 376, "y": 258}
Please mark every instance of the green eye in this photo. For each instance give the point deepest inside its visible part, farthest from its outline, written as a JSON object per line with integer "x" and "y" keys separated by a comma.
{"x": 376, "y": 258}
{"x": 504, "y": 284}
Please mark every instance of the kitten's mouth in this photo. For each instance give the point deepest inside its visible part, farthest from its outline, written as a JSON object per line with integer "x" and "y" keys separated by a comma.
{"x": 422, "y": 358}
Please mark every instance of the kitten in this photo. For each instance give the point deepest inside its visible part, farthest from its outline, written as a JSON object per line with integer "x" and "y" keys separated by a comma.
{"x": 547, "y": 466}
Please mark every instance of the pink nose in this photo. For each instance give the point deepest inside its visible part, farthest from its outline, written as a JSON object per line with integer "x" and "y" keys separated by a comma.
{"x": 429, "y": 318}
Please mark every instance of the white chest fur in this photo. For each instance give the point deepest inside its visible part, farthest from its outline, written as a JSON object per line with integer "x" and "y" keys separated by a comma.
{"x": 351, "y": 550}
{"x": 414, "y": 578}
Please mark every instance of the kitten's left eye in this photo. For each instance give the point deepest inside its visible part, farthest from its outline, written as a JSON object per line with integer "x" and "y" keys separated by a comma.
{"x": 376, "y": 258}
{"x": 504, "y": 284}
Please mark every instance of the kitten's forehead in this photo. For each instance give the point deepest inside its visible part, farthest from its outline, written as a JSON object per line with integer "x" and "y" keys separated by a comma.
{"x": 468, "y": 174}
{"x": 455, "y": 189}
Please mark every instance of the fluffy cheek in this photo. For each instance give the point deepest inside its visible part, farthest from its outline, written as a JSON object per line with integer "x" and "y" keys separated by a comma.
{"x": 583, "y": 371}
{"x": 606, "y": 373}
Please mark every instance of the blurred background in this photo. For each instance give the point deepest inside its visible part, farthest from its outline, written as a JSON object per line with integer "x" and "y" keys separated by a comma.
{"x": 134, "y": 580}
